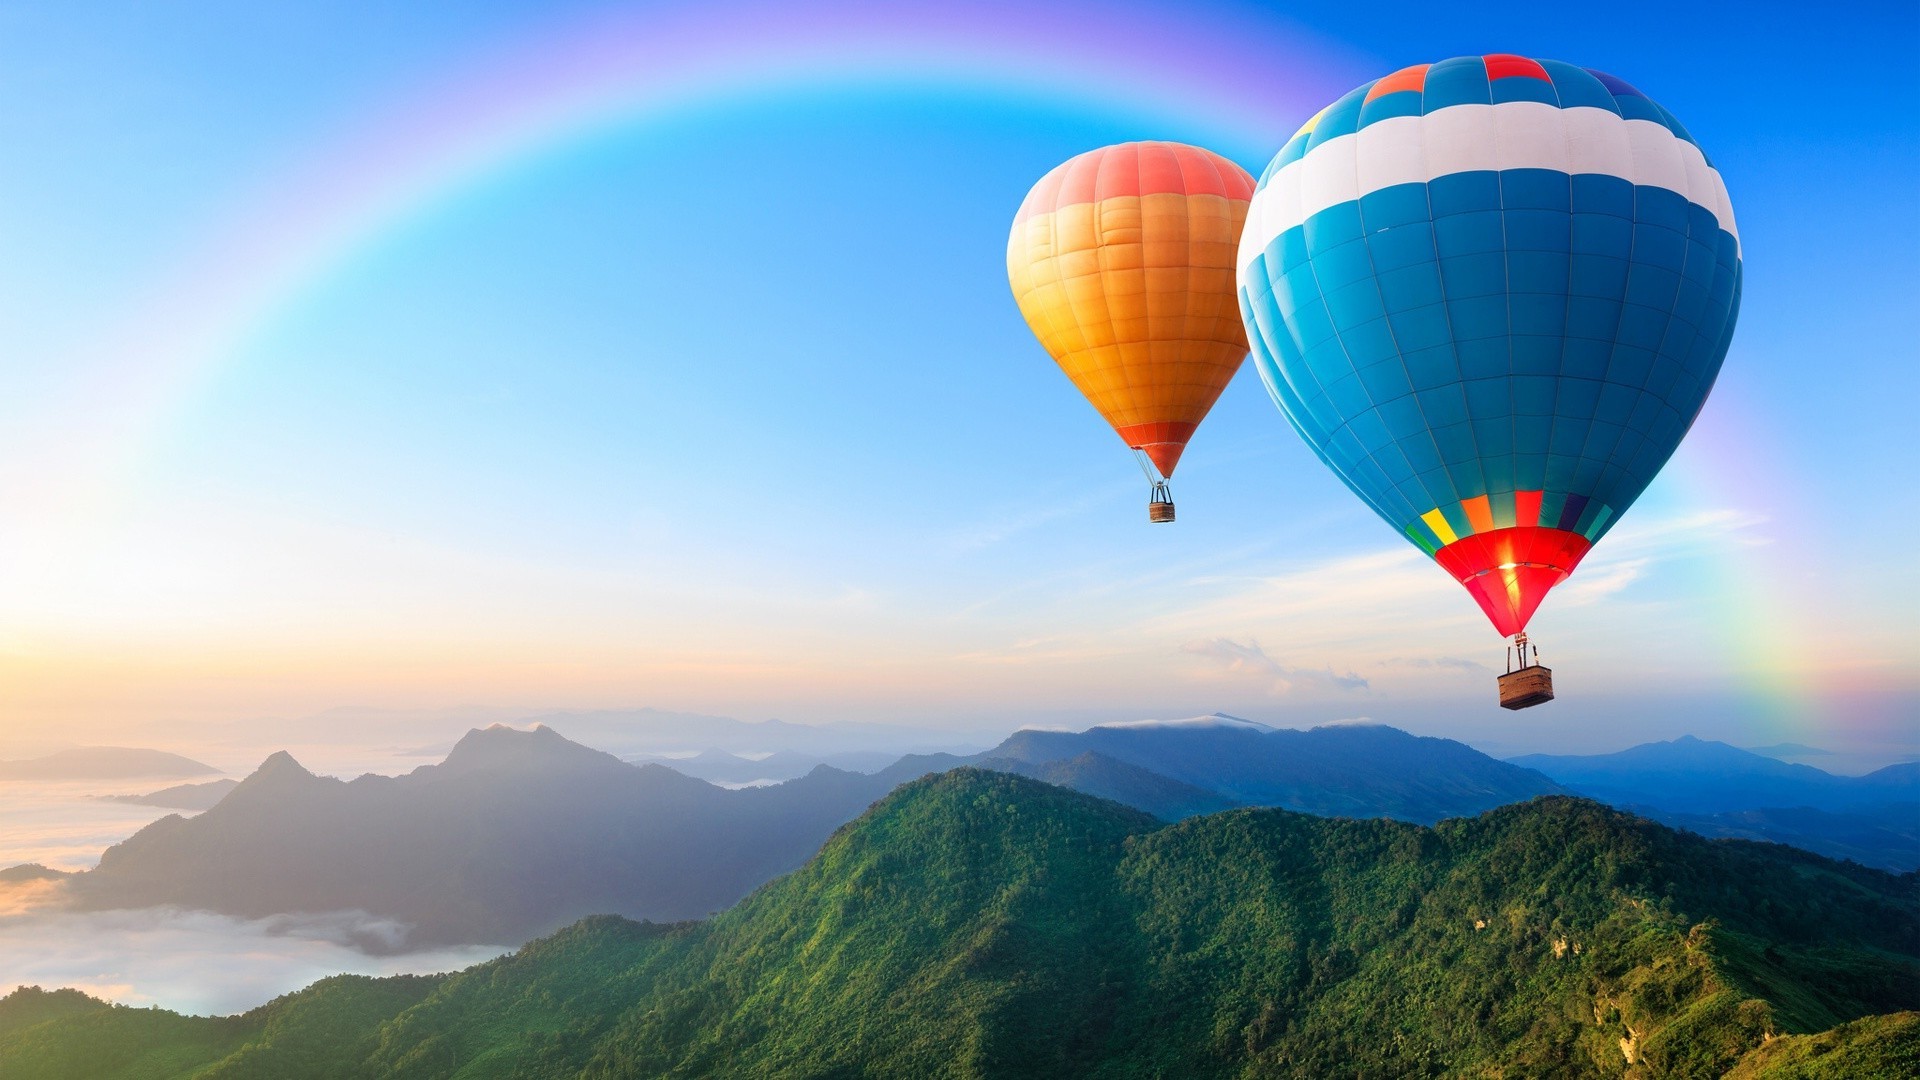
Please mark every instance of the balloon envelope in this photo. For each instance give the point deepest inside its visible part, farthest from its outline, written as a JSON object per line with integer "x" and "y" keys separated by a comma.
{"x": 1122, "y": 262}
{"x": 1492, "y": 294}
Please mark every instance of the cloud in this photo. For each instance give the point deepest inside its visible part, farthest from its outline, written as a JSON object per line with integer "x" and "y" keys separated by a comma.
{"x": 1597, "y": 583}
{"x": 19, "y": 898}
{"x": 201, "y": 963}
{"x": 1251, "y": 662}
{"x": 1712, "y": 526}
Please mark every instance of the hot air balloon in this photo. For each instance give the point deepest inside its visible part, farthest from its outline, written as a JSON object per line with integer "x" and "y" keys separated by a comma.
{"x": 1492, "y": 294}
{"x": 1122, "y": 262}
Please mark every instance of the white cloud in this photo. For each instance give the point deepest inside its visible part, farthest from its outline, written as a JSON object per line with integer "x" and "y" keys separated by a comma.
{"x": 1250, "y": 662}
{"x": 202, "y": 963}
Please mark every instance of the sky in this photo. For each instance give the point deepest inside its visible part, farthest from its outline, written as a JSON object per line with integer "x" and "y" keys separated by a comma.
{"x": 533, "y": 356}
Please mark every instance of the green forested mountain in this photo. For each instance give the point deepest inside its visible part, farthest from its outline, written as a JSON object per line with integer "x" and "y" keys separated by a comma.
{"x": 982, "y": 924}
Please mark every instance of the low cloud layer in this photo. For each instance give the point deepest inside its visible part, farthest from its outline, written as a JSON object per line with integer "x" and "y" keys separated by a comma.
{"x": 64, "y": 825}
{"x": 201, "y": 963}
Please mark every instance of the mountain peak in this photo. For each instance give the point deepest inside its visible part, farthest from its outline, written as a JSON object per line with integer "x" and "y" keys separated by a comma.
{"x": 277, "y": 777}
{"x": 281, "y": 761}
{"x": 502, "y": 748}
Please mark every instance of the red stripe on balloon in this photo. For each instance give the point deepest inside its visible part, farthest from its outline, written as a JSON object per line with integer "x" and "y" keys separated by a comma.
{"x": 1507, "y": 65}
{"x": 1526, "y": 507}
{"x": 1508, "y": 571}
{"x": 1150, "y": 168}
{"x": 1164, "y": 442}
{"x": 1408, "y": 78}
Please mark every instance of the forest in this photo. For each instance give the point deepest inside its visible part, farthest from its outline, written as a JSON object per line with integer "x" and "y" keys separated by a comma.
{"x": 981, "y": 924}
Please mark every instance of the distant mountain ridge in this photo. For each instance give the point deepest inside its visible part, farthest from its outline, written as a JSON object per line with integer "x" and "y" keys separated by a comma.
{"x": 1346, "y": 770}
{"x": 180, "y": 796}
{"x": 514, "y": 834}
{"x": 1700, "y": 776}
{"x": 518, "y": 832}
{"x": 984, "y": 925}
{"x": 103, "y": 763}
{"x": 1721, "y": 790}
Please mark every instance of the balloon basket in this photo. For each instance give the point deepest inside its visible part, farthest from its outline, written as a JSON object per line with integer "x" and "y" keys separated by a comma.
{"x": 1526, "y": 688}
{"x": 1529, "y": 684}
{"x": 1160, "y": 507}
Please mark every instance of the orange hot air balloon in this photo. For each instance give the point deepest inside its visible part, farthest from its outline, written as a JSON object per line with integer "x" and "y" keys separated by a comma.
{"x": 1122, "y": 260}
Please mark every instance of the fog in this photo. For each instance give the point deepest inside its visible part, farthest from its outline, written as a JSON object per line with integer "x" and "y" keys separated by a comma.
{"x": 189, "y": 961}
{"x": 200, "y": 963}
{"x": 65, "y": 825}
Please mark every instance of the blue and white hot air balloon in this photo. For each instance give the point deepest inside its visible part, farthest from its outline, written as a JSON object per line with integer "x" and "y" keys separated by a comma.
{"x": 1492, "y": 294}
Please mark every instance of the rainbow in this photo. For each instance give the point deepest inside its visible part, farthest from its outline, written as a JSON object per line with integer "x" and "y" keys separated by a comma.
{"x": 1206, "y": 79}
{"x": 1217, "y": 81}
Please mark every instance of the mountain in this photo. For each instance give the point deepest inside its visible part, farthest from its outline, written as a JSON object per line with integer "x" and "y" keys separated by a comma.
{"x": 517, "y": 833}
{"x": 102, "y": 763}
{"x": 1790, "y": 750}
{"x": 1888, "y": 839}
{"x": 1720, "y": 790}
{"x": 982, "y": 924}
{"x": 1130, "y": 785}
{"x": 1695, "y": 776}
{"x": 181, "y": 796}
{"x": 27, "y": 872}
{"x": 1348, "y": 770}
{"x": 514, "y": 834}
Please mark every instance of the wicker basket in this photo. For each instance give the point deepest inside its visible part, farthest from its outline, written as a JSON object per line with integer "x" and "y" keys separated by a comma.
{"x": 1526, "y": 688}
{"x": 1159, "y": 511}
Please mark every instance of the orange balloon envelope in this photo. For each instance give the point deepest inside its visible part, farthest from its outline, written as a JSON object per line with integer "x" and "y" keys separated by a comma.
{"x": 1122, "y": 260}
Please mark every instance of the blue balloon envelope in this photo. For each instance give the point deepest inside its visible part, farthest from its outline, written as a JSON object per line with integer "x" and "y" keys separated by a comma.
{"x": 1492, "y": 294}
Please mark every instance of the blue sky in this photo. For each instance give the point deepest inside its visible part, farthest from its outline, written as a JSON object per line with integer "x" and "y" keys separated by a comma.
{"x": 723, "y": 405}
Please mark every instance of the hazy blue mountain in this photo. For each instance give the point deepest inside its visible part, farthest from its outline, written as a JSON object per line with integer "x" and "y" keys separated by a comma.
{"x": 1888, "y": 838}
{"x": 1695, "y": 776}
{"x": 1129, "y": 785}
{"x": 1346, "y": 770}
{"x": 514, "y": 834}
{"x": 1790, "y": 750}
{"x": 103, "y": 763}
{"x": 1720, "y": 790}
{"x": 181, "y": 796}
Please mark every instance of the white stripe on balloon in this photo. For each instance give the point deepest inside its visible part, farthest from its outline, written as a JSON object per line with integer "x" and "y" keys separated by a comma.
{"x": 1475, "y": 138}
